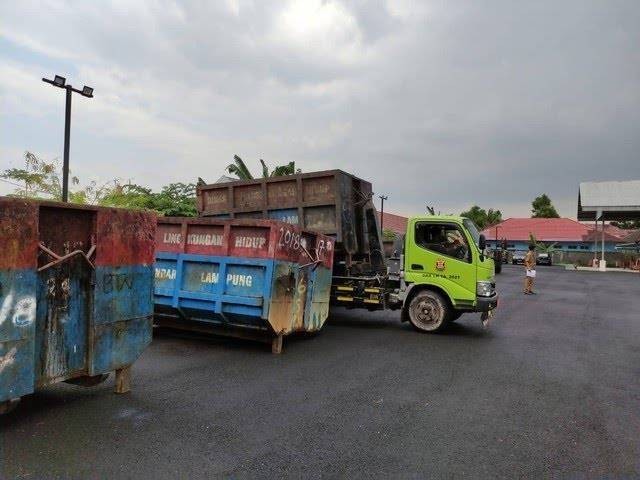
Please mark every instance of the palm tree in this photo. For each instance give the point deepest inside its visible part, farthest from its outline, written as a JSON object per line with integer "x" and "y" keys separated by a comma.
{"x": 239, "y": 169}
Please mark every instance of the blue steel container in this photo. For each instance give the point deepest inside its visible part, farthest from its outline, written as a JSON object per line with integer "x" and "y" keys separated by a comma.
{"x": 259, "y": 279}
{"x": 75, "y": 294}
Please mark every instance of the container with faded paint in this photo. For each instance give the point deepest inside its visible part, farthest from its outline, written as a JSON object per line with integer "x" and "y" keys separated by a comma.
{"x": 261, "y": 279}
{"x": 75, "y": 294}
{"x": 331, "y": 202}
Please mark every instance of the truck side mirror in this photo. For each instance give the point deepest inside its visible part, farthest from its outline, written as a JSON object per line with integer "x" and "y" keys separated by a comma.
{"x": 482, "y": 242}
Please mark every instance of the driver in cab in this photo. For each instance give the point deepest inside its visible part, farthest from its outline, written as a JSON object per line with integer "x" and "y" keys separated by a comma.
{"x": 455, "y": 245}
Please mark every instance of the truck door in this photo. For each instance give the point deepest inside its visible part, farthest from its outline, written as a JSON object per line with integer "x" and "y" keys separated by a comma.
{"x": 440, "y": 254}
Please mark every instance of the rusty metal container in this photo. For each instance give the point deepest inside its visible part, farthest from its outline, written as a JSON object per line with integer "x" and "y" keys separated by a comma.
{"x": 257, "y": 279}
{"x": 332, "y": 202}
{"x": 75, "y": 294}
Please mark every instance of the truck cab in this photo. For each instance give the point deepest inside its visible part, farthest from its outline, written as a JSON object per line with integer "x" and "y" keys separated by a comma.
{"x": 444, "y": 272}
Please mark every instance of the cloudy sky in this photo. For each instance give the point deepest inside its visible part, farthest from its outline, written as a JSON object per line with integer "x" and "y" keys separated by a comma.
{"x": 445, "y": 103}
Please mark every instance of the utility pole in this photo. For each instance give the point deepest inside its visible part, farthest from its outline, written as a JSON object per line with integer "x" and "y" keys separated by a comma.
{"x": 382, "y": 199}
{"x": 60, "y": 82}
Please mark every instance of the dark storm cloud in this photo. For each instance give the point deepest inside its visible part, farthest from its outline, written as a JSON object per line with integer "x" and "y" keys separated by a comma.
{"x": 446, "y": 103}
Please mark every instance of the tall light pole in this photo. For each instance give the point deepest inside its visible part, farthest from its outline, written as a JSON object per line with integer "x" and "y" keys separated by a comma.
{"x": 382, "y": 199}
{"x": 60, "y": 82}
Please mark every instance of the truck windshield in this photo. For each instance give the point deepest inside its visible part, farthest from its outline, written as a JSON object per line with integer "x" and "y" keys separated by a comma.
{"x": 473, "y": 230}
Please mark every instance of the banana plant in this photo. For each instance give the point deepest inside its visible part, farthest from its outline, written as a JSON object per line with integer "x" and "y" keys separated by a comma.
{"x": 240, "y": 170}
{"x": 543, "y": 247}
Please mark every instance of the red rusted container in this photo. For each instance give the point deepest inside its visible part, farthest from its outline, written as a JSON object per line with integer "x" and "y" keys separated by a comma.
{"x": 332, "y": 202}
{"x": 248, "y": 278}
{"x": 75, "y": 294}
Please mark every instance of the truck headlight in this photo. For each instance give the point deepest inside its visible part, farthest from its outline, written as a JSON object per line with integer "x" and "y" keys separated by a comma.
{"x": 485, "y": 288}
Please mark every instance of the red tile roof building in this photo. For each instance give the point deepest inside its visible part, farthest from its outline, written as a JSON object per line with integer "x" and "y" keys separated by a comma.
{"x": 568, "y": 234}
{"x": 394, "y": 222}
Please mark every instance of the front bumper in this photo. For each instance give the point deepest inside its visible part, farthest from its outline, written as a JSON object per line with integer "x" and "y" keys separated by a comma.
{"x": 486, "y": 304}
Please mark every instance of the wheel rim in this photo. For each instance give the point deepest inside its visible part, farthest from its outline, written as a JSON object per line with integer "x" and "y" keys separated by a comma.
{"x": 426, "y": 313}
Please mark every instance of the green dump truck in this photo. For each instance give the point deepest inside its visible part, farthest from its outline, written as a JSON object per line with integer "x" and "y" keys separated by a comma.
{"x": 440, "y": 269}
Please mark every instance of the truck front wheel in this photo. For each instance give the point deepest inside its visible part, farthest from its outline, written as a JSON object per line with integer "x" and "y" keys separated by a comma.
{"x": 428, "y": 311}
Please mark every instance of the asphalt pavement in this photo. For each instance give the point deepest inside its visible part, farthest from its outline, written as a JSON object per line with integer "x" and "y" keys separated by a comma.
{"x": 550, "y": 389}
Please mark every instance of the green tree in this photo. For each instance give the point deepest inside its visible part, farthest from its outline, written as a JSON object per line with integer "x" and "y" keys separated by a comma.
{"x": 175, "y": 199}
{"x": 627, "y": 224}
{"x": 38, "y": 178}
{"x": 388, "y": 234}
{"x": 543, "y": 208}
{"x": 481, "y": 217}
{"x": 41, "y": 179}
{"x": 240, "y": 170}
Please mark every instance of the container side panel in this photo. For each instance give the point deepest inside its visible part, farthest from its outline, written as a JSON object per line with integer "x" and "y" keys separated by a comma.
{"x": 165, "y": 273}
{"x": 295, "y": 245}
{"x": 63, "y": 316}
{"x": 282, "y": 194}
{"x": 200, "y": 276}
{"x": 248, "y": 196}
{"x": 123, "y": 293}
{"x": 245, "y": 280}
{"x": 320, "y": 218}
{"x": 253, "y": 215}
{"x": 215, "y": 200}
{"x": 16, "y": 368}
{"x": 17, "y": 331}
{"x": 119, "y": 344}
{"x": 266, "y": 282}
{"x": 302, "y": 286}
{"x": 18, "y": 303}
{"x": 18, "y": 234}
{"x": 169, "y": 237}
{"x": 64, "y": 230}
{"x": 249, "y": 241}
{"x": 282, "y": 300}
{"x": 288, "y": 215}
{"x": 289, "y": 243}
{"x": 206, "y": 240}
{"x": 65, "y": 293}
{"x": 317, "y": 247}
{"x": 123, "y": 311}
{"x": 319, "y": 189}
{"x": 221, "y": 290}
{"x": 125, "y": 237}
{"x": 347, "y": 234}
{"x": 318, "y": 303}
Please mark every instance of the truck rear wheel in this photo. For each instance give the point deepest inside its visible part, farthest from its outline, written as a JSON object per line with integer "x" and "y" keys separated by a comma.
{"x": 428, "y": 311}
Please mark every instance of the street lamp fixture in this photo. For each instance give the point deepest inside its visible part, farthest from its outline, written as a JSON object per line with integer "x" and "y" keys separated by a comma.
{"x": 61, "y": 82}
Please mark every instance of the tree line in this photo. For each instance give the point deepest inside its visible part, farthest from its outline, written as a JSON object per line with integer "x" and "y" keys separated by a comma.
{"x": 541, "y": 208}
{"x": 41, "y": 179}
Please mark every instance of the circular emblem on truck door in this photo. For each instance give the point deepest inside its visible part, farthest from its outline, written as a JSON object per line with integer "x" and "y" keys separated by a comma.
{"x": 440, "y": 265}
